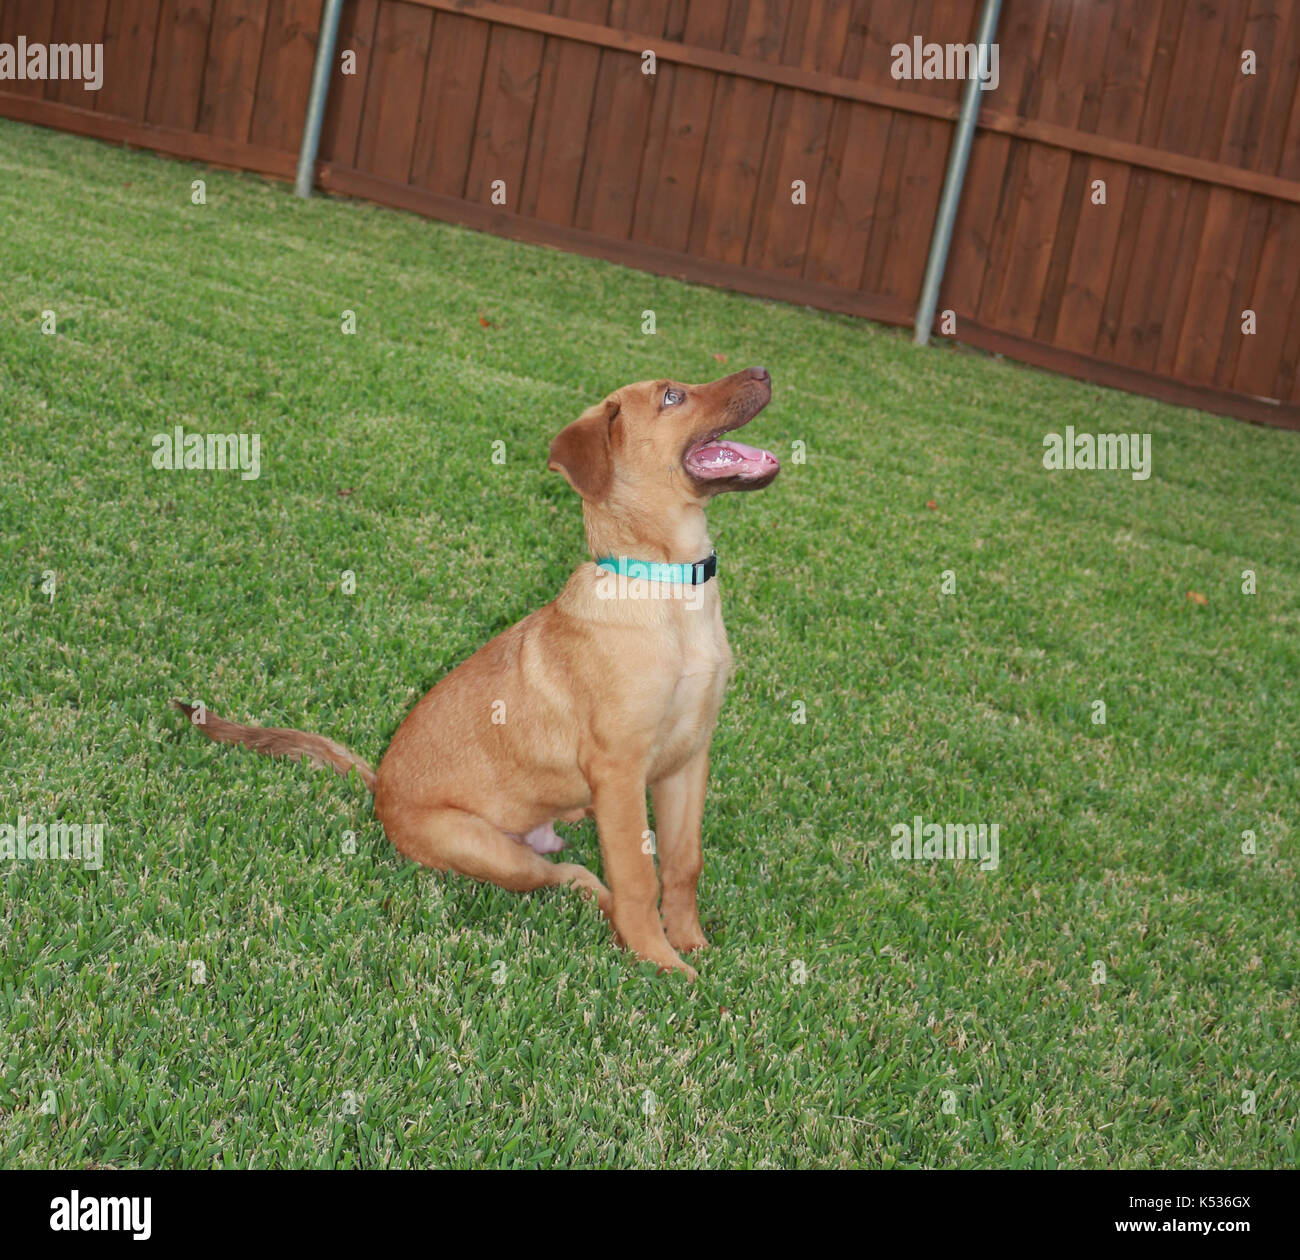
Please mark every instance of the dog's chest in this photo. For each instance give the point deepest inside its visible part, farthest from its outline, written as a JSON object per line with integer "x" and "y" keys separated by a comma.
{"x": 692, "y": 712}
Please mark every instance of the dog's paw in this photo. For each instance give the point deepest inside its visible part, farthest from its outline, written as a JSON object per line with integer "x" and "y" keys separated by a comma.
{"x": 586, "y": 883}
{"x": 664, "y": 960}
{"x": 677, "y": 967}
{"x": 686, "y": 938}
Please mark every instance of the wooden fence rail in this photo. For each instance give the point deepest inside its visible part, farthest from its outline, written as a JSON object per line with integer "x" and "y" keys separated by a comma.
{"x": 689, "y": 171}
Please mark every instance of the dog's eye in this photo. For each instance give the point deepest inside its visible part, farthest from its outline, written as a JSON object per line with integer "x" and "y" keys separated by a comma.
{"x": 672, "y": 397}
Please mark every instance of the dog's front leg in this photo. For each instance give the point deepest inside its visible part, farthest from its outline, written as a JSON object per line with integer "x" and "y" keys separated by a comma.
{"x": 618, "y": 797}
{"x": 679, "y": 813}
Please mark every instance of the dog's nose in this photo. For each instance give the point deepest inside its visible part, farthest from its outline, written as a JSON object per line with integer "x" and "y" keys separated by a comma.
{"x": 761, "y": 374}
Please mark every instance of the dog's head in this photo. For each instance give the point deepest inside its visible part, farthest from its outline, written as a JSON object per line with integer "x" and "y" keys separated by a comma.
{"x": 660, "y": 442}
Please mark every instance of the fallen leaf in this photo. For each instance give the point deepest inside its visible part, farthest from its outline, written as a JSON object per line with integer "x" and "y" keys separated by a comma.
{"x": 931, "y": 504}
{"x": 483, "y": 319}
{"x": 721, "y": 358}
{"x": 1197, "y": 598}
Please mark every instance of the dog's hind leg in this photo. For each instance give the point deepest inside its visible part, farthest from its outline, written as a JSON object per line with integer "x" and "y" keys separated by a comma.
{"x": 452, "y": 840}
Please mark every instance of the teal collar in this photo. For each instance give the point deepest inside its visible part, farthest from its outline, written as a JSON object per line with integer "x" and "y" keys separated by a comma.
{"x": 652, "y": 571}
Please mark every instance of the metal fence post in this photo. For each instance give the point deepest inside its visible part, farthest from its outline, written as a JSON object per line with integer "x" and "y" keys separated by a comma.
{"x": 953, "y": 179}
{"x": 320, "y": 88}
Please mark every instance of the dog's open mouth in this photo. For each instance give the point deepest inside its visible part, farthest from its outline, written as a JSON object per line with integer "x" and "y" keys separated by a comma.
{"x": 726, "y": 464}
{"x": 721, "y": 457}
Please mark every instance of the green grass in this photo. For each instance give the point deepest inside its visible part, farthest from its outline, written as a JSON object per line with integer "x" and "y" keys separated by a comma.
{"x": 350, "y": 1015}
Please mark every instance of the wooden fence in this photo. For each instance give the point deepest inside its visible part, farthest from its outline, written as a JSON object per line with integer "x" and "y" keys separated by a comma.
{"x": 689, "y": 171}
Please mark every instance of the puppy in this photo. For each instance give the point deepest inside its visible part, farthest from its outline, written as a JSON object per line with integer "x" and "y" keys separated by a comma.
{"x": 611, "y": 689}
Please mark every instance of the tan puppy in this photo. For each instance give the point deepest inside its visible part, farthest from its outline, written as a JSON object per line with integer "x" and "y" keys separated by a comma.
{"x": 611, "y": 689}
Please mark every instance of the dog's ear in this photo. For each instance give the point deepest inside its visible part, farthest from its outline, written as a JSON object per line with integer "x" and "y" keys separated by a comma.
{"x": 581, "y": 450}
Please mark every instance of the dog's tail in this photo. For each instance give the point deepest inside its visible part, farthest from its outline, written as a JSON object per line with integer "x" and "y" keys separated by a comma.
{"x": 280, "y": 741}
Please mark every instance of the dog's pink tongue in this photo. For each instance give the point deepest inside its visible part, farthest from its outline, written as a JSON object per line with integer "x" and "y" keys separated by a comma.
{"x": 727, "y": 458}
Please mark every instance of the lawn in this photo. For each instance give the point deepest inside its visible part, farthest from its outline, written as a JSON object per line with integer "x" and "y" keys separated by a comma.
{"x": 256, "y": 977}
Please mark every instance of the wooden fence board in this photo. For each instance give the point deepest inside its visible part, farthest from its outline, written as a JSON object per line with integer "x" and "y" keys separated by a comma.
{"x": 35, "y": 20}
{"x": 284, "y": 75}
{"x": 737, "y": 134}
{"x": 454, "y": 83}
{"x": 618, "y": 128}
{"x": 1093, "y": 31}
{"x": 179, "y": 55}
{"x": 1076, "y": 101}
{"x": 511, "y": 78}
{"x": 901, "y": 235}
{"x": 76, "y": 22}
{"x": 985, "y": 201}
{"x": 341, "y": 129}
{"x": 779, "y": 233}
{"x": 1129, "y": 273}
{"x": 676, "y": 138}
{"x": 1274, "y": 35}
{"x": 388, "y": 122}
{"x": 1192, "y": 122}
{"x": 565, "y": 97}
{"x": 1273, "y": 297}
{"x": 1288, "y": 372}
{"x": 130, "y": 30}
{"x": 230, "y": 80}
{"x": 1130, "y": 52}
